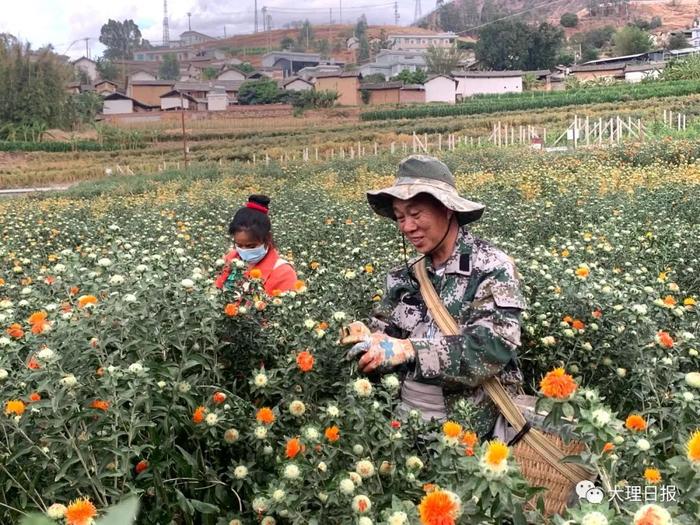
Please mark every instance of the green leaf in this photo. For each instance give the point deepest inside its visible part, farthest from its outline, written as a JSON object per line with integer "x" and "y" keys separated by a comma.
{"x": 123, "y": 513}
{"x": 568, "y": 410}
{"x": 37, "y": 519}
{"x": 204, "y": 508}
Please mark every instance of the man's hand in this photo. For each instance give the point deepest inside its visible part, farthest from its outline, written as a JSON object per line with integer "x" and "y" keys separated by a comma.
{"x": 382, "y": 351}
{"x": 355, "y": 332}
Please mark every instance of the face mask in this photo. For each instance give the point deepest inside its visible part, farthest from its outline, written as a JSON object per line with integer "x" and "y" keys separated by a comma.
{"x": 252, "y": 255}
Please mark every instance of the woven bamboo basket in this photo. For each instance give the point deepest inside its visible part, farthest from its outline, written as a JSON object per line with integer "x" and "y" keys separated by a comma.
{"x": 558, "y": 489}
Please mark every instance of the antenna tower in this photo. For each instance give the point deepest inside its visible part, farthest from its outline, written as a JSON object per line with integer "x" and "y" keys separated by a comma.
{"x": 166, "y": 29}
{"x": 396, "y": 13}
{"x": 256, "y": 16}
{"x": 417, "y": 13}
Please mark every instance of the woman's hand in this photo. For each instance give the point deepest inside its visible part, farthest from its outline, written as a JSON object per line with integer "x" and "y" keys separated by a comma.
{"x": 355, "y": 332}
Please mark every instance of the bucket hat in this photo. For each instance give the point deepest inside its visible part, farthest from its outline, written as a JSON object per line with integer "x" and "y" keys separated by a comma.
{"x": 423, "y": 174}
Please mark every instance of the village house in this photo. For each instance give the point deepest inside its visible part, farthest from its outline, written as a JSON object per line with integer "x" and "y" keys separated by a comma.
{"x": 412, "y": 94}
{"x": 420, "y": 42}
{"x": 383, "y": 93}
{"x": 106, "y": 86}
{"x": 390, "y": 63}
{"x": 310, "y": 72}
{"x": 191, "y": 38}
{"x": 217, "y": 99}
{"x": 440, "y": 88}
{"x": 587, "y": 73}
{"x": 231, "y": 73}
{"x": 73, "y": 88}
{"x": 87, "y": 66}
{"x": 200, "y": 90}
{"x": 346, "y": 84}
{"x": 142, "y": 74}
{"x": 487, "y": 82}
{"x": 637, "y": 72}
{"x": 148, "y": 91}
{"x": 118, "y": 103}
{"x": 177, "y": 100}
{"x": 693, "y": 34}
{"x": 289, "y": 61}
{"x": 296, "y": 84}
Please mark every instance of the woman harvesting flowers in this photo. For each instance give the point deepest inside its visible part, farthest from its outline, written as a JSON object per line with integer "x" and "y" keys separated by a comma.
{"x": 254, "y": 252}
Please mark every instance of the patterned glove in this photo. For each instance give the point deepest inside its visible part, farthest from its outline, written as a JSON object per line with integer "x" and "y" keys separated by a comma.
{"x": 354, "y": 333}
{"x": 382, "y": 351}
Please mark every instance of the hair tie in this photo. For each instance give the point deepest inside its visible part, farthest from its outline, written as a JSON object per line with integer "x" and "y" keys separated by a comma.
{"x": 256, "y": 206}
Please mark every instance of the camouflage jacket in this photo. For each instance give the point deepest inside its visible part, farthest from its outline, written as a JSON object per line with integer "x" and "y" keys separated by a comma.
{"x": 481, "y": 290}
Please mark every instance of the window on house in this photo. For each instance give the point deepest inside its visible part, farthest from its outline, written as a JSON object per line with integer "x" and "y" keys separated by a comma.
{"x": 413, "y": 41}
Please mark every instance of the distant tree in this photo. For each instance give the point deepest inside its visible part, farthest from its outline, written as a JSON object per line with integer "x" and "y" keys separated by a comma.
{"x": 120, "y": 38}
{"x": 209, "y": 73}
{"x": 412, "y": 77}
{"x": 264, "y": 91}
{"x": 631, "y": 40}
{"x": 246, "y": 67}
{"x": 306, "y": 35}
{"x": 107, "y": 69}
{"x": 677, "y": 41}
{"x": 374, "y": 78}
{"x": 655, "y": 22}
{"x": 361, "y": 26}
{"x": 361, "y": 34}
{"x": 642, "y": 24}
{"x": 169, "y": 68}
{"x": 508, "y": 45}
{"x": 441, "y": 61}
{"x": 287, "y": 43}
{"x": 566, "y": 59}
{"x": 569, "y": 20}
{"x": 543, "y": 46}
{"x": 589, "y": 53}
{"x": 323, "y": 47}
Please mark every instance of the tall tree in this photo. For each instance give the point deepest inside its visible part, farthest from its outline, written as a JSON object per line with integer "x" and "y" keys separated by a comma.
{"x": 306, "y": 35}
{"x": 121, "y": 38}
{"x": 508, "y": 45}
{"x": 677, "y": 41}
{"x": 107, "y": 69}
{"x": 631, "y": 40}
{"x": 544, "y": 44}
{"x": 169, "y": 68}
{"x": 441, "y": 61}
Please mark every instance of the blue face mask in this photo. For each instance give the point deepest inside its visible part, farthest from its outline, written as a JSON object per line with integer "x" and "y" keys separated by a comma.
{"x": 252, "y": 255}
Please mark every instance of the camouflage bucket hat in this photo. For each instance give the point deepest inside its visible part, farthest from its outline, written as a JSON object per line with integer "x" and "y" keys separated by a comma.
{"x": 423, "y": 174}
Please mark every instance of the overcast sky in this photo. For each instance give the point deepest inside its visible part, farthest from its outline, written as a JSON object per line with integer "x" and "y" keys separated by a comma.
{"x": 61, "y": 22}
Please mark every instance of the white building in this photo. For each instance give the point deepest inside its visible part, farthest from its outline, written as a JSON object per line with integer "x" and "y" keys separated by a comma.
{"x": 693, "y": 34}
{"x": 190, "y": 38}
{"x": 440, "y": 88}
{"x": 142, "y": 75}
{"x": 231, "y": 73}
{"x": 176, "y": 100}
{"x": 217, "y": 99}
{"x": 488, "y": 82}
{"x": 639, "y": 72}
{"x": 87, "y": 66}
{"x": 116, "y": 104}
{"x": 421, "y": 42}
{"x": 390, "y": 63}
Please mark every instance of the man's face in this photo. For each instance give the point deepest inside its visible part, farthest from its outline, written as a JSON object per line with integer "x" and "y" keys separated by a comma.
{"x": 423, "y": 221}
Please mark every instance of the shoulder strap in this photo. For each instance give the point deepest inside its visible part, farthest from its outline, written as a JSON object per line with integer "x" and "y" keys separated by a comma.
{"x": 495, "y": 390}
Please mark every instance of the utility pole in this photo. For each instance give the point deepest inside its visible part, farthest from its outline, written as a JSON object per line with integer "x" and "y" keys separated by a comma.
{"x": 189, "y": 21}
{"x": 330, "y": 23}
{"x": 340, "y": 15}
{"x": 87, "y": 48}
{"x": 166, "y": 28}
{"x": 184, "y": 136}
{"x": 417, "y": 12}
{"x": 256, "y": 16}
{"x": 396, "y": 13}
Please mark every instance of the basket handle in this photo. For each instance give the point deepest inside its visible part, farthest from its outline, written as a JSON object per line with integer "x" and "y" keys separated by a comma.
{"x": 493, "y": 387}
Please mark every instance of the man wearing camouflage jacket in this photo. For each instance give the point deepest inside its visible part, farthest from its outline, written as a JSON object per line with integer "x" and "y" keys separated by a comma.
{"x": 478, "y": 284}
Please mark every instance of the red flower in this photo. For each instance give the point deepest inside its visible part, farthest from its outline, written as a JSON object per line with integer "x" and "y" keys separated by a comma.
{"x": 141, "y": 466}
{"x": 219, "y": 397}
{"x": 395, "y": 424}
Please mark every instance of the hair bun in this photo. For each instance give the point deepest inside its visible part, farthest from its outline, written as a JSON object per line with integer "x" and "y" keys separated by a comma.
{"x": 263, "y": 200}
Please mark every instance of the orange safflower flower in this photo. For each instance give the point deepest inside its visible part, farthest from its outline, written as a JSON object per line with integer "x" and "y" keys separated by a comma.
{"x": 255, "y": 273}
{"x": 608, "y": 447}
{"x": 80, "y": 512}
{"x": 314, "y": 265}
{"x": 582, "y": 272}
{"x": 693, "y": 447}
{"x": 26, "y": 281}
{"x": 100, "y": 372}
{"x": 469, "y": 451}
{"x": 369, "y": 268}
{"x": 265, "y": 416}
{"x": 323, "y": 325}
{"x": 557, "y": 384}
{"x": 669, "y": 301}
{"x": 597, "y": 313}
{"x": 469, "y": 438}
{"x": 141, "y": 466}
{"x": 2, "y": 281}
{"x": 231, "y": 310}
{"x": 100, "y": 404}
{"x": 429, "y": 487}
{"x": 276, "y": 292}
{"x": 451, "y": 429}
{"x": 689, "y": 302}
{"x": 568, "y": 319}
{"x": 293, "y": 448}
{"x": 34, "y": 397}
{"x": 37, "y": 317}
{"x": 49, "y": 279}
{"x": 652, "y": 475}
{"x": 438, "y": 508}
{"x": 636, "y": 423}
{"x": 332, "y": 434}
{"x": 33, "y": 364}
{"x": 578, "y": 325}
{"x": 15, "y": 331}
{"x": 496, "y": 452}
{"x": 299, "y": 285}
{"x": 73, "y": 290}
{"x": 15, "y": 407}
{"x": 198, "y": 415}
{"x": 85, "y": 300}
{"x": 218, "y": 397}
{"x": 664, "y": 339}
{"x": 305, "y": 361}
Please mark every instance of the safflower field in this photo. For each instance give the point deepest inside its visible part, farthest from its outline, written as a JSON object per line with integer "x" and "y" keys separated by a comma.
{"x": 125, "y": 371}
